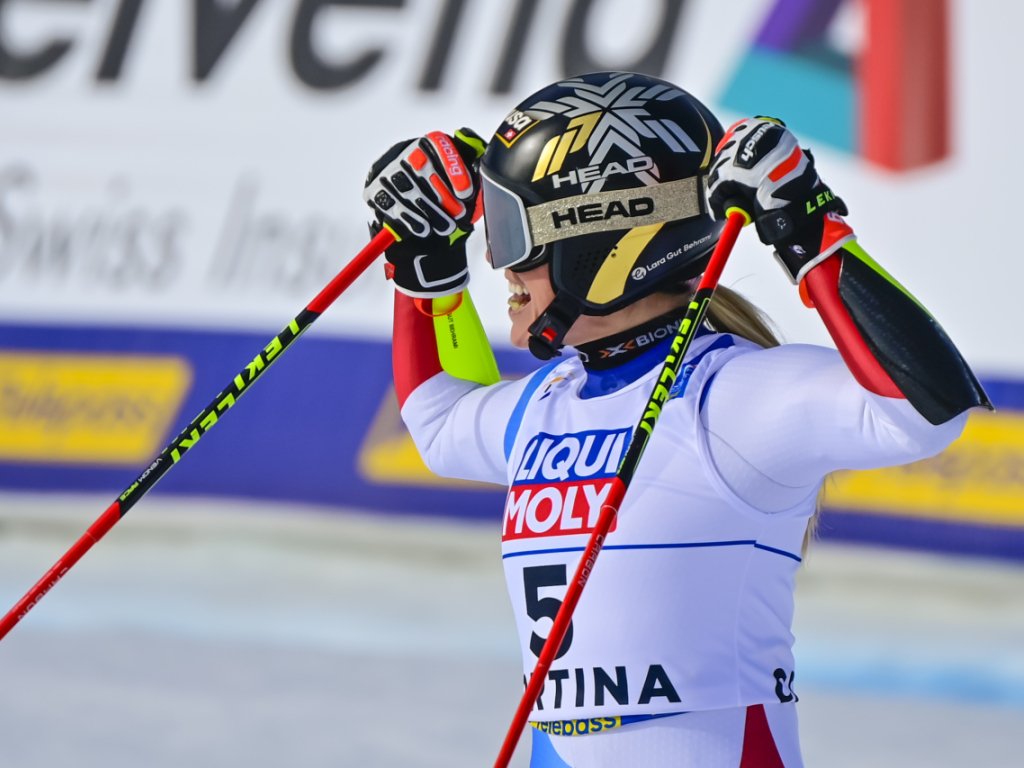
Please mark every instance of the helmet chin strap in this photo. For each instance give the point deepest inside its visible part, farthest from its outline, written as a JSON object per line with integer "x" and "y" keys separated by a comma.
{"x": 548, "y": 331}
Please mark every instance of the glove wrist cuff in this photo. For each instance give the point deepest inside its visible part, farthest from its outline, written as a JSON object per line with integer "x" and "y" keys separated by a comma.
{"x": 440, "y": 271}
{"x": 438, "y": 293}
{"x": 786, "y": 224}
{"x": 797, "y": 261}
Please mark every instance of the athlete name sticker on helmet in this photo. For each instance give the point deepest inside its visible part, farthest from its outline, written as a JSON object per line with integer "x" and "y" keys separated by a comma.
{"x": 561, "y": 483}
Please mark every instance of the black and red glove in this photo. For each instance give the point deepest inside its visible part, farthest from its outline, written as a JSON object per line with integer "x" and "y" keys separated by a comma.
{"x": 425, "y": 192}
{"x": 761, "y": 168}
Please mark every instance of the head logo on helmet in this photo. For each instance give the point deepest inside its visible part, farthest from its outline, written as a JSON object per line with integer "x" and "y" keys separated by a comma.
{"x": 620, "y": 137}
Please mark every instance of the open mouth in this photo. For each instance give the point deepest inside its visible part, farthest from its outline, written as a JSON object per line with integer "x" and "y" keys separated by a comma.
{"x": 520, "y": 296}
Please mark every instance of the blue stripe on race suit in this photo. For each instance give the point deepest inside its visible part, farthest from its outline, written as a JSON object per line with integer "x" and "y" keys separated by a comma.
{"x": 516, "y": 420}
{"x": 623, "y": 375}
{"x": 679, "y": 387}
{"x": 778, "y": 552}
{"x": 683, "y": 545}
{"x": 600, "y": 383}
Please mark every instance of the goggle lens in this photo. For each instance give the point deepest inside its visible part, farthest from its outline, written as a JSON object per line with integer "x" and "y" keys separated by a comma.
{"x": 506, "y": 225}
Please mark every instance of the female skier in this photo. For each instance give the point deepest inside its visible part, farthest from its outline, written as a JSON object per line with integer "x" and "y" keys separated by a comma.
{"x": 603, "y": 197}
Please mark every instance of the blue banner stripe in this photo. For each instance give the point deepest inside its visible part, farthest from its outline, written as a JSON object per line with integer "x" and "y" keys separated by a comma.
{"x": 298, "y": 436}
{"x": 953, "y": 537}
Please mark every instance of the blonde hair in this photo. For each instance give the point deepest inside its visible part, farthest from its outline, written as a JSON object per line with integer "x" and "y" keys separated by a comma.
{"x": 731, "y": 312}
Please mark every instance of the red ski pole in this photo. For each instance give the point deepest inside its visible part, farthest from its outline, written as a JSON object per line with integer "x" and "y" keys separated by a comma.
{"x": 202, "y": 424}
{"x": 641, "y": 435}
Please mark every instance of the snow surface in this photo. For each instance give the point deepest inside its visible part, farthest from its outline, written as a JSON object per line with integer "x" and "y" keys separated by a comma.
{"x": 203, "y": 634}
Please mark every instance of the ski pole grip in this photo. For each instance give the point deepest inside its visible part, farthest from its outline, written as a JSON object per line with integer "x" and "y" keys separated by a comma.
{"x": 737, "y": 205}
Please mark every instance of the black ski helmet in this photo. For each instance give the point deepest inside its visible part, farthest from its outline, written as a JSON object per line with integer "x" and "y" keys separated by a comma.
{"x": 602, "y": 176}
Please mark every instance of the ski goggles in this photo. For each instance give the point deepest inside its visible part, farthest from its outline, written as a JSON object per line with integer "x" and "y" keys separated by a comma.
{"x": 515, "y": 229}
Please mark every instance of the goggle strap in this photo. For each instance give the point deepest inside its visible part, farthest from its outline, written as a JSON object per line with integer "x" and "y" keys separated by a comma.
{"x": 614, "y": 210}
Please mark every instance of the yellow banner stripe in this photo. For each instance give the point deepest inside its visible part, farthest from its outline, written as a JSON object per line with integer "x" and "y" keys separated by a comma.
{"x": 979, "y": 479}
{"x": 88, "y": 408}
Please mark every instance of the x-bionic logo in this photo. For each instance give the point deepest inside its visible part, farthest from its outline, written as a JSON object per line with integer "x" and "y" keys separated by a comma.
{"x": 606, "y": 117}
{"x": 638, "y": 342}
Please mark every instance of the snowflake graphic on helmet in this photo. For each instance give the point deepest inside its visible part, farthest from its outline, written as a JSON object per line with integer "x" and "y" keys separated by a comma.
{"x": 602, "y": 177}
{"x": 605, "y": 117}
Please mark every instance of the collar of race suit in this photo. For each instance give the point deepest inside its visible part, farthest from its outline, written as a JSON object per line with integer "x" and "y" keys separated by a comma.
{"x": 622, "y": 358}
{"x": 626, "y": 346}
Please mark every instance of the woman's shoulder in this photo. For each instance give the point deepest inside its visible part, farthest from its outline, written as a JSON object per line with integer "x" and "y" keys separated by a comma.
{"x": 788, "y": 354}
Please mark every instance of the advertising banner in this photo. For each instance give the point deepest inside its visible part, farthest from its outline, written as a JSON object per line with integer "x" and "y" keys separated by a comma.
{"x": 178, "y": 178}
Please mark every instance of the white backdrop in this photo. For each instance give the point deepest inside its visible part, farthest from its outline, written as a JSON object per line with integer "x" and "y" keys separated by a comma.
{"x": 224, "y": 199}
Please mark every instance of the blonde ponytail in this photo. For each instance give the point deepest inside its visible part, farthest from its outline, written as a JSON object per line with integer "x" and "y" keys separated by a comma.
{"x": 732, "y": 313}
